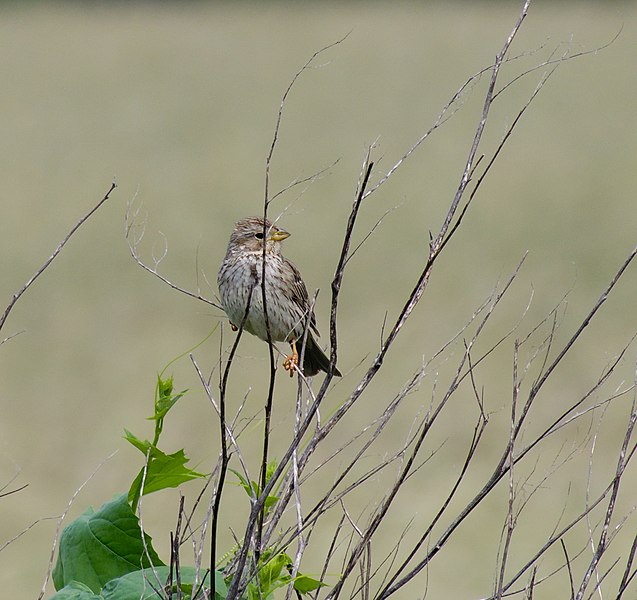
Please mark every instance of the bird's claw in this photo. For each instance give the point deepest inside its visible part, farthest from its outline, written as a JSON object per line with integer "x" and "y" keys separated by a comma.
{"x": 291, "y": 363}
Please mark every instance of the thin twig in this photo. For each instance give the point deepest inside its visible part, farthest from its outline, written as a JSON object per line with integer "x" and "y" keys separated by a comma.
{"x": 133, "y": 239}
{"x": 17, "y": 295}
{"x": 63, "y": 516}
{"x": 224, "y": 448}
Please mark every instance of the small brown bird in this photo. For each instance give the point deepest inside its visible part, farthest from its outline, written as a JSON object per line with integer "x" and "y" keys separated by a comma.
{"x": 287, "y": 300}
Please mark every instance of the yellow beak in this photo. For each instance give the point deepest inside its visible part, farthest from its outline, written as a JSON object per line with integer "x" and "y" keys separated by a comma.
{"x": 278, "y": 235}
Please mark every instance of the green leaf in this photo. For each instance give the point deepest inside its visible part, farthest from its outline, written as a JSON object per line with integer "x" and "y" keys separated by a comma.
{"x": 245, "y": 484}
{"x": 163, "y": 471}
{"x": 270, "y": 501}
{"x": 139, "y": 585}
{"x": 252, "y": 488}
{"x": 142, "y": 446}
{"x": 164, "y": 399}
{"x": 270, "y": 573}
{"x": 270, "y": 469}
{"x": 164, "y": 387}
{"x": 304, "y": 584}
{"x": 271, "y": 576}
{"x": 75, "y": 591}
{"x": 99, "y": 546}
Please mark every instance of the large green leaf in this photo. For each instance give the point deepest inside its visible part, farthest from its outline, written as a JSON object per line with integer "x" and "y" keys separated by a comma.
{"x": 75, "y": 591}
{"x": 100, "y": 546}
{"x": 142, "y": 585}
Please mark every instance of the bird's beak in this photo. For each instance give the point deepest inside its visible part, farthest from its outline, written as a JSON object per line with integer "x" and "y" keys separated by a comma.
{"x": 278, "y": 235}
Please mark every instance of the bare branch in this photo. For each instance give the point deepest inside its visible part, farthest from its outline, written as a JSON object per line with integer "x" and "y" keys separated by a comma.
{"x": 17, "y": 295}
{"x": 277, "y": 127}
{"x": 134, "y": 231}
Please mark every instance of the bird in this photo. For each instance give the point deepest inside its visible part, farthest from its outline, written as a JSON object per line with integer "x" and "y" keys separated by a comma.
{"x": 287, "y": 302}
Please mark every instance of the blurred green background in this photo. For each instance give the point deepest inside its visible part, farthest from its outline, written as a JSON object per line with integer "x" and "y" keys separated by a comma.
{"x": 178, "y": 101}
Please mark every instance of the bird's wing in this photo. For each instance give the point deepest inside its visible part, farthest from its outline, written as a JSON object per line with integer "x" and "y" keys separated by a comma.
{"x": 298, "y": 295}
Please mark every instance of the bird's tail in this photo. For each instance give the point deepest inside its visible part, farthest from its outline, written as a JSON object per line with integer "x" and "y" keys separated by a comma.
{"x": 315, "y": 359}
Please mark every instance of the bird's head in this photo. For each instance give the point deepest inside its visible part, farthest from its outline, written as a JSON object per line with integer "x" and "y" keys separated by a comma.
{"x": 250, "y": 233}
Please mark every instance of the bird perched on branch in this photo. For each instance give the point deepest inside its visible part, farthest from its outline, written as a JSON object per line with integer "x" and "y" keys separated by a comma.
{"x": 287, "y": 303}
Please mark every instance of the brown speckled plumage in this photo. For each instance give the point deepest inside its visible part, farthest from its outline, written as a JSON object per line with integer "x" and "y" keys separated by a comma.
{"x": 286, "y": 295}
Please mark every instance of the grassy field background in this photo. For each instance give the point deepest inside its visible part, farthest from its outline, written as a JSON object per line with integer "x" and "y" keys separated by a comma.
{"x": 178, "y": 103}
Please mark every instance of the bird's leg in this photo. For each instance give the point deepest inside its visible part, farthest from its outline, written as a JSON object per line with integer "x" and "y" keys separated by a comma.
{"x": 292, "y": 361}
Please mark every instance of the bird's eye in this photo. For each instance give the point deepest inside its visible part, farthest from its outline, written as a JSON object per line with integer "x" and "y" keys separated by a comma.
{"x": 259, "y": 235}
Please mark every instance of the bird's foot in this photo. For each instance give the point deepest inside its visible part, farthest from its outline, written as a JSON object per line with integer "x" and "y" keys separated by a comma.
{"x": 291, "y": 363}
